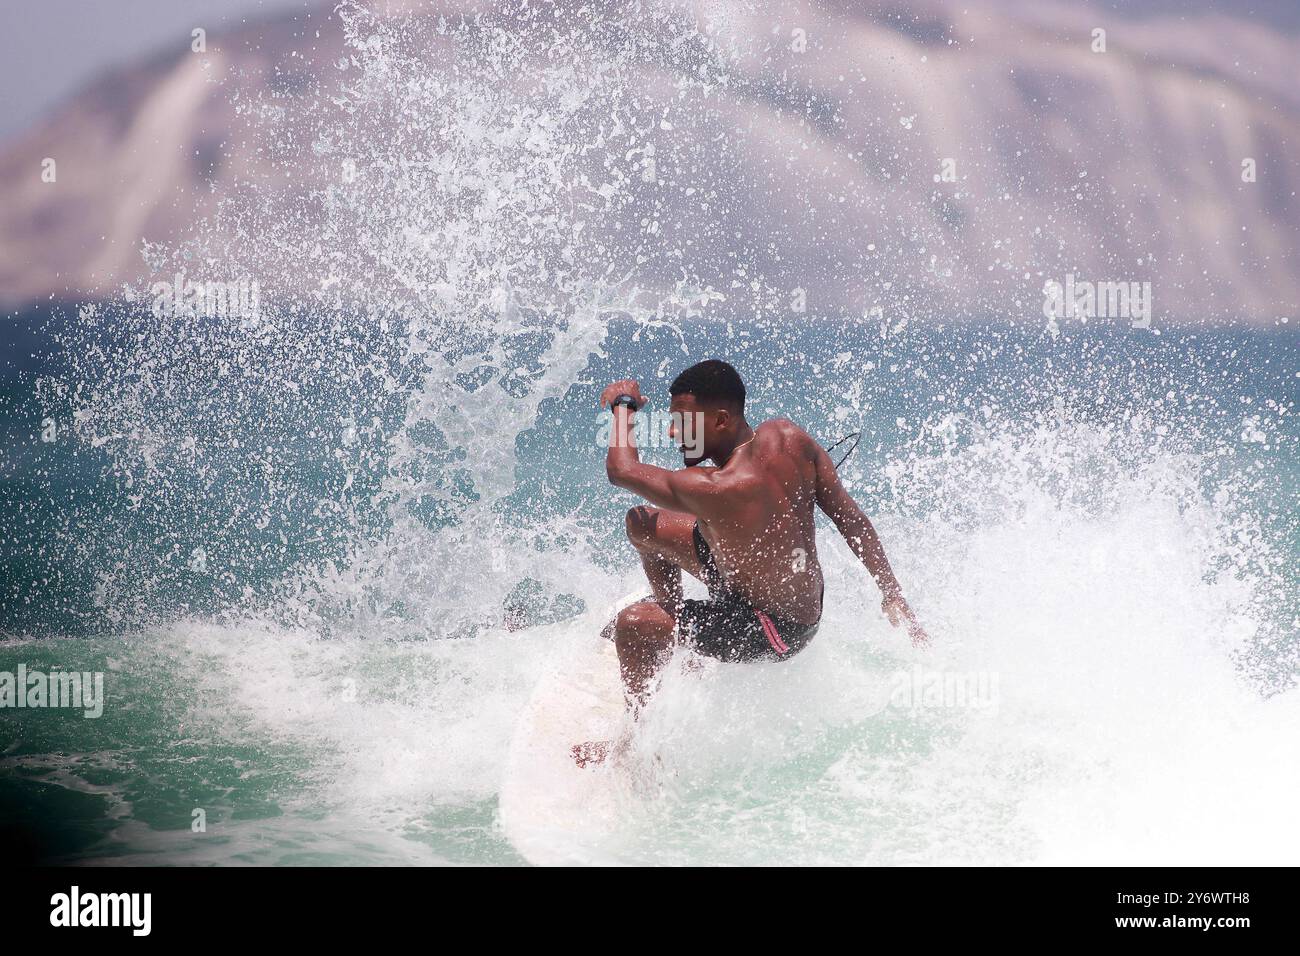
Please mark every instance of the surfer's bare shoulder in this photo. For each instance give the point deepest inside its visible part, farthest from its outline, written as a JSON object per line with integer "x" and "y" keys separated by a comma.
{"x": 781, "y": 434}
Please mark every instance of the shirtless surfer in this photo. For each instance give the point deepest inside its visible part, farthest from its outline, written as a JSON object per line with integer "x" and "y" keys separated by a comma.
{"x": 744, "y": 526}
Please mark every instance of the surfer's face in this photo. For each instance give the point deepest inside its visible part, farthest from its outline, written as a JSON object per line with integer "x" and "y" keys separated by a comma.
{"x": 698, "y": 432}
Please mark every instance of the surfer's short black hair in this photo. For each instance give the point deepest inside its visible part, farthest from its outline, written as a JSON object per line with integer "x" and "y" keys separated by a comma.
{"x": 711, "y": 381}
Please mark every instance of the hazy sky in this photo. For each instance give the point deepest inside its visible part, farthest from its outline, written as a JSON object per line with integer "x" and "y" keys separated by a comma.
{"x": 51, "y": 48}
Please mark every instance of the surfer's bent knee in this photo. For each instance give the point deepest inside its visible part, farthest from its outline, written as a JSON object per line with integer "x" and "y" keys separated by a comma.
{"x": 642, "y": 620}
{"x": 640, "y": 523}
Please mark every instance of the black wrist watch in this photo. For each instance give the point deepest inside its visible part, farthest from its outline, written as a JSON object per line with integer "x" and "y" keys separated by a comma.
{"x": 624, "y": 399}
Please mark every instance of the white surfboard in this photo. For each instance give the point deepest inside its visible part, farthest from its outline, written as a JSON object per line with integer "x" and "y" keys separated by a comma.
{"x": 553, "y": 811}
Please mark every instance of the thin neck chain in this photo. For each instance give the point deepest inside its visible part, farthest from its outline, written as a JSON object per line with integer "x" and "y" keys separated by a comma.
{"x": 738, "y": 447}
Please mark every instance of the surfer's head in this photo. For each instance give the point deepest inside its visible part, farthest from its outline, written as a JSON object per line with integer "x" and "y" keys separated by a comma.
{"x": 708, "y": 409}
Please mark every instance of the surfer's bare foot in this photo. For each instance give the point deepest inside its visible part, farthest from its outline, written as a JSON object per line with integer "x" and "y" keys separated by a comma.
{"x": 591, "y": 752}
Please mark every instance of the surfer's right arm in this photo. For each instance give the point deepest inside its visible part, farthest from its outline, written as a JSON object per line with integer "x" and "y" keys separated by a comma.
{"x": 697, "y": 491}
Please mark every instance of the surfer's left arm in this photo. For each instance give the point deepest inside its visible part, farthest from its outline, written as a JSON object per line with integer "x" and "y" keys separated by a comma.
{"x": 858, "y": 531}
{"x": 692, "y": 490}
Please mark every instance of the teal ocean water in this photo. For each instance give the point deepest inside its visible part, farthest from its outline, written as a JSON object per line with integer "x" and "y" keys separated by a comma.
{"x": 292, "y": 554}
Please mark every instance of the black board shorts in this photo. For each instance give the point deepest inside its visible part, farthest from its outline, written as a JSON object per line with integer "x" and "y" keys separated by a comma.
{"x": 728, "y": 627}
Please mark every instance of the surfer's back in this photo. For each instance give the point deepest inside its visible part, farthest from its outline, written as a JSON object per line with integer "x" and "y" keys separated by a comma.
{"x": 766, "y": 544}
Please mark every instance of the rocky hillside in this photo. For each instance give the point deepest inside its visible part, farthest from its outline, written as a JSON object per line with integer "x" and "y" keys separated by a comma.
{"x": 935, "y": 157}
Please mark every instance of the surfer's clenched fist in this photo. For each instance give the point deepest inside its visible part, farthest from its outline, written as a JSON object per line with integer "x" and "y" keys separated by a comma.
{"x": 624, "y": 386}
